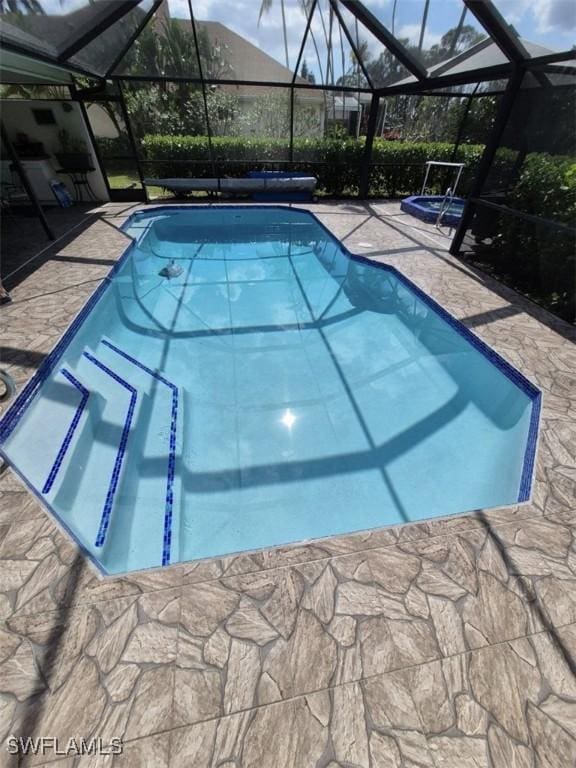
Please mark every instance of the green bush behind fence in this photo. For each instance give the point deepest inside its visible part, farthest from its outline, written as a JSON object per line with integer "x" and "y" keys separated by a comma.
{"x": 534, "y": 258}
{"x": 544, "y": 185}
{"x": 397, "y": 167}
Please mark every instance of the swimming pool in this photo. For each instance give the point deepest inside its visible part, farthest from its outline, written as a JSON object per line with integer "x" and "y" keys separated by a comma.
{"x": 271, "y": 389}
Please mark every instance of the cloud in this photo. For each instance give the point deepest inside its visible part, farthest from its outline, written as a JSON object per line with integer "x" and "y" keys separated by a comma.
{"x": 514, "y": 10}
{"x": 412, "y": 33}
{"x": 241, "y": 16}
{"x": 541, "y": 16}
{"x": 555, "y": 16}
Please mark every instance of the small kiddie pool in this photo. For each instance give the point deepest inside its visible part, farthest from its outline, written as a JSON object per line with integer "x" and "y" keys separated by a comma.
{"x": 427, "y": 208}
{"x": 242, "y": 381}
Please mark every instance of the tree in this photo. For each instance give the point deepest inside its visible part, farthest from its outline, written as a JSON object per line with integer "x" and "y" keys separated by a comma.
{"x": 265, "y": 7}
{"x": 386, "y": 69}
{"x": 307, "y": 74}
{"x": 453, "y": 42}
{"x": 178, "y": 50}
{"x": 169, "y": 50}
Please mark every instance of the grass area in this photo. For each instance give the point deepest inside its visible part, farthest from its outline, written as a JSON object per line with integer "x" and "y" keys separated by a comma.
{"x": 132, "y": 181}
{"x": 123, "y": 180}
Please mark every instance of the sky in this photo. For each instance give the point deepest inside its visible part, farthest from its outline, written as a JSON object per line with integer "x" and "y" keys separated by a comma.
{"x": 551, "y": 23}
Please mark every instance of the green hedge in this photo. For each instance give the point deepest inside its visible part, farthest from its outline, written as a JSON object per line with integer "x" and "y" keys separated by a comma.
{"x": 536, "y": 259}
{"x": 398, "y": 167}
{"x": 547, "y": 188}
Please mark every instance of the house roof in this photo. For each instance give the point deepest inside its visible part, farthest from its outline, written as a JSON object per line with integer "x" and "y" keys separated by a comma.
{"x": 483, "y": 55}
{"x": 248, "y": 62}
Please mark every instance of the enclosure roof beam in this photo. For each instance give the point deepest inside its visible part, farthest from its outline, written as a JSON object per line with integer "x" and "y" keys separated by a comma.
{"x": 552, "y": 70}
{"x": 502, "y": 33}
{"x": 108, "y": 16}
{"x": 497, "y": 72}
{"x": 551, "y": 58}
{"x": 304, "y": 38}
{"x": 355, "y": 51}
{"x": 8, "y": 45}
{"x": 445, "y": 81}
{"x": 133, "y": 37}
{"x": 498, "y": 29}
{"x": 262, "y": 83}
{"x": 387, "y": 39}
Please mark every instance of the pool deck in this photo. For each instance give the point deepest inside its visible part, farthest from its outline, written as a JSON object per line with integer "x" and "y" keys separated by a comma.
{"x": 449, "y": 643}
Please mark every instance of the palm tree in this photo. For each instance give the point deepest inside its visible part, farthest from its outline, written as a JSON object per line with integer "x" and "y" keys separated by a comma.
{"x": 423, "y": 26}
{"x": 266, "y": 7}
{"x": 306, "y": 6}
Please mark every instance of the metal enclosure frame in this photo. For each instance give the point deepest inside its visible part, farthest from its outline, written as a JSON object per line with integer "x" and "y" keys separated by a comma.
{"x": 423, "y": 82}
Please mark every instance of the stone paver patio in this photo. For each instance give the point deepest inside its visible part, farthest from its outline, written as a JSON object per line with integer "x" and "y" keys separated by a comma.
{"x": 449, "y": 643}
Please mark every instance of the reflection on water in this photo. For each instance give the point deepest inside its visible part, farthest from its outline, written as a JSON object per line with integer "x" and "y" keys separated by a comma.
{"x": 316, "y": 394}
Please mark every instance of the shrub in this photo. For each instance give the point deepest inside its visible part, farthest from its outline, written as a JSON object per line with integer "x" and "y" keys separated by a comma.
{"x": 535, "y": 258}
{"x": 547, "y": 188}
{"x": 117, "y": 147}
{"x": 398, "y": 167}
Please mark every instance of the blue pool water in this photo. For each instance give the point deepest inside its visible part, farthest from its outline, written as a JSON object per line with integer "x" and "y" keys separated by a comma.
{"x": 275, "y": 390}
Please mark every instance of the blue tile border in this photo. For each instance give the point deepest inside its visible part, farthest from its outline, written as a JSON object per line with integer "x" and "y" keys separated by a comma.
{"x": 13, "y": 415}
{"x": 71, "y": 429}
{"x": 513, "y": 374}
{"x": 167, "y": 538}
{"x": 113, "y": 486}
{"x": 60, "y": 521}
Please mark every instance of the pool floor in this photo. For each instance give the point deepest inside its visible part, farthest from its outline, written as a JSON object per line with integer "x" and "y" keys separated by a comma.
{"x": 274, "y": 390}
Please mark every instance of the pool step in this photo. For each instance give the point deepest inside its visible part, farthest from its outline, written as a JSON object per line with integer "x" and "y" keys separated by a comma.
{"x": 159, "y": 451}
{"x": 138, "y": 311}
{"x": 121, "y": 458}
{"x": 47, "y": 437}
{"x": 103, "y": 447}
{"x": 94, "y": 471}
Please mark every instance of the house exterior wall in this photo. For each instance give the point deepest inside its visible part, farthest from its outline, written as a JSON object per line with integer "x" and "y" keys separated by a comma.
{"x": 18, "y": 118}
